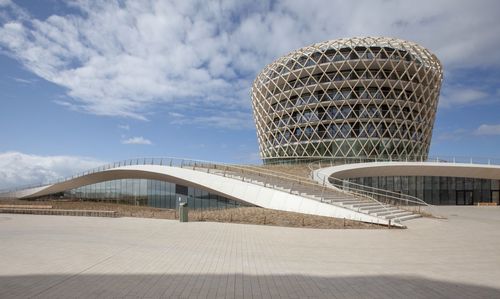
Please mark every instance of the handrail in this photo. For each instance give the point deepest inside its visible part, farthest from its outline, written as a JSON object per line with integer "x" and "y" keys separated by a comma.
{"x": 382, "y": 192}
{"x": 352, "y": 191}
{"x": 300, "y": 180}
{"x": 221, "y": 169}
{"x": 409, "y": 198}
{"x": 304, "y": 160}
{"x": 419, "y": 158}
{"x": 404, "y": 200}
{"x": 127, "y": 162}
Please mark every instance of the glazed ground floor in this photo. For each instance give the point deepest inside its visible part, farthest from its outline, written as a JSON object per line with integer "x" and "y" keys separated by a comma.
{"x": 147, "y": 192}
{"x": 438, "y": 190}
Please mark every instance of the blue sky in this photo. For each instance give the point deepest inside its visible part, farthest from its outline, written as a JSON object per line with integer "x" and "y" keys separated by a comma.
{"x": 86, "y": 82}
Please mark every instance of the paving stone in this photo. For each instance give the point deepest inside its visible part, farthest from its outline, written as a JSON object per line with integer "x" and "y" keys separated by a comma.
{"x": 65, "y": 256}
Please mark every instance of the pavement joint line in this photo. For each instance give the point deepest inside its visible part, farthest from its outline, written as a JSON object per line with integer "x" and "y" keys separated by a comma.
{"x": 91, "y": 266}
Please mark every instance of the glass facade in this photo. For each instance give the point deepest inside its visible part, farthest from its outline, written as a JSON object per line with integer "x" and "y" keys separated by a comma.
{"x": 438, "y": 190}
{"x": 154, "y": 193}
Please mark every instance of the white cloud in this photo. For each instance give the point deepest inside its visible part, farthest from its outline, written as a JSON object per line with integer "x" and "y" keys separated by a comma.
{"x": 233, "y": 120}
{"x": 124, "y": 58}
{"x": 486, "y": 129}
{"x": 455, "y": 135}
{"x": 459, "y": 96}
{"x": 137, "y": 140}
{"x": 124, "y": 127}
{"x": 18, "y": 169}
{"x": 24, "y": 81}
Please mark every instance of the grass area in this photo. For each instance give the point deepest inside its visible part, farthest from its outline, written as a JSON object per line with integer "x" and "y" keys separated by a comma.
{"x": 247, "y": 215}
{"x": 300, "y": 170}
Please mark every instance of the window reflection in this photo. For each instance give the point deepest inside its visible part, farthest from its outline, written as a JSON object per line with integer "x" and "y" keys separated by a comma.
{"x": 154, "y": 193}
{"x": 439, "y": 190}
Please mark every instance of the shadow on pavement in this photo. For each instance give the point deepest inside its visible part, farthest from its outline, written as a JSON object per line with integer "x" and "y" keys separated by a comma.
{"x": 235, "y": 286}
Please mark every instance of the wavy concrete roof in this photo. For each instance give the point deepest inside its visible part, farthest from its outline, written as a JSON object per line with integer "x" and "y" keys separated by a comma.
{"x": 231, "y": 188}
{"x": 478, "y": 171}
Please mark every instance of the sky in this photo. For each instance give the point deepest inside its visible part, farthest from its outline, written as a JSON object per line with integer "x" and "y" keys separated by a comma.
{"x": 83, "y": 83}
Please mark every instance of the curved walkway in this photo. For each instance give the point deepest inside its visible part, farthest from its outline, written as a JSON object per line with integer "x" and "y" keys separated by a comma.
{"x": 478, "y": 171}
{"x": 228, "y": 187}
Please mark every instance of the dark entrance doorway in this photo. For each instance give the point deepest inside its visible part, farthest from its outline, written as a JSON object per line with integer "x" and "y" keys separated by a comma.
{"x": 495, "y": 196}
{"x": 465, "y": 197}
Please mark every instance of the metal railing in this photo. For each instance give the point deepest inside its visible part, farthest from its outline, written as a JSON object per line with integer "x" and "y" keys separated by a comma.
{"x": 420, "y": 158}
{"x": 400, "y": 200}
{"x": 379, "y": 196}
{"x": 353, "y": 191}
{"x": 266, "y": 175}
{"x": 247, "y": 173}
{"x": 174, "y": 161}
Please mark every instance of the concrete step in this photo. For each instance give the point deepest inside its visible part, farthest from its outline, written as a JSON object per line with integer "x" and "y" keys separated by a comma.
{"x": 354, "y": 202}
{"x": 367, "y": 205}
{"x": 345, "y": 199}
{"x": 383, "y": 209}
{"x": 335, "y": 201}
{"x": 385, "y": 213}
{"x": 409, "y": 217}
{"x": 340, "y": 196}
{"x": 397, "y": 215}
{"x": 44, "y": 211}
{"x": 371, "y": 209}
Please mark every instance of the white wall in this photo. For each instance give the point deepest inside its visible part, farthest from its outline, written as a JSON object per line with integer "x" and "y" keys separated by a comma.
{"x": 477, "y": 171}
{"x": 231, "y": 188}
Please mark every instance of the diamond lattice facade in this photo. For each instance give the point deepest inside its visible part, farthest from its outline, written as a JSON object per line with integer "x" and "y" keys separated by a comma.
{"x": 373, "y": 98}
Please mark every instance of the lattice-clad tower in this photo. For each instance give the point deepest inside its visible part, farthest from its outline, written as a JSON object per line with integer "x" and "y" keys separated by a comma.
{"x": 362, "y": 97}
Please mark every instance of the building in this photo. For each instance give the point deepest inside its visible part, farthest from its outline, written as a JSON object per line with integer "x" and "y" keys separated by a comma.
{"x": 437, "y": 182}
{"x": 358, "y": 112}
{"x": 355, "y": 98}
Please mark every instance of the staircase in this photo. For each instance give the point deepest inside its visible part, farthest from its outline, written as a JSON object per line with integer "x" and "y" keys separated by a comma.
{"x": 309, "y": 188}
{"x": 355, "y": 197}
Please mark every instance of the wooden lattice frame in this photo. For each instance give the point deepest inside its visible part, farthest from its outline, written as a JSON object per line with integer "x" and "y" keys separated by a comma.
{"x": 372, "y": 97}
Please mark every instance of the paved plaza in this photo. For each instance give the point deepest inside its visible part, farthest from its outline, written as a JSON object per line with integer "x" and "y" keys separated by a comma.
{"x": 83, "y": 257}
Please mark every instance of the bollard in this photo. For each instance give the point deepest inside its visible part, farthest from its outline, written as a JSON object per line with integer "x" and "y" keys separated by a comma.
{"x": 183, "y": 212}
